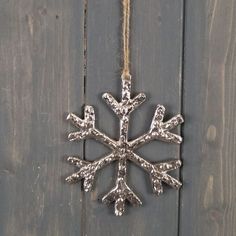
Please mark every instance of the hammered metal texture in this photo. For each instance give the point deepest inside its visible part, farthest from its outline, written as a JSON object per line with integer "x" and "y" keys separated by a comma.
{"x": 122, "y": 150}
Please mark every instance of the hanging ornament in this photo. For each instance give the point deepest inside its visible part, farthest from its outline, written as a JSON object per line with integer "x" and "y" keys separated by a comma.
{"x": 123, "y": 150}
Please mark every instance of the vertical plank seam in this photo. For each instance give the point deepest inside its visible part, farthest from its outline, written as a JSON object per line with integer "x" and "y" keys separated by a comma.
{"x": 83, "y": 207}
{"x": 182, "y": 106}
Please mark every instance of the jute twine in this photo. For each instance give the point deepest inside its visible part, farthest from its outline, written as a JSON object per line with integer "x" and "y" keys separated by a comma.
{"x": 126, "y": 38}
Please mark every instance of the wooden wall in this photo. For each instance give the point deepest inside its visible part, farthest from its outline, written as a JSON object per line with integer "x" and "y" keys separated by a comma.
{"x": 56, "y": 56}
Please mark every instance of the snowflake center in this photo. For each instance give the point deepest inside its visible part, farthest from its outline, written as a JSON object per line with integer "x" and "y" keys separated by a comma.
{"x": 123, "y": 148}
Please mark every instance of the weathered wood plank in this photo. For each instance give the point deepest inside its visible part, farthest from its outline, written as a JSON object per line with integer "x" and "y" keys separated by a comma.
{"x": 41, "y": 77}
{"x": 208, "y": 198}
{"x": 156, "y": 69}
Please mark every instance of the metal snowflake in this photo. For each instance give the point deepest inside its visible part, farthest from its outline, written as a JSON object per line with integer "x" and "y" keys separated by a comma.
{"x": 123, "y": 149}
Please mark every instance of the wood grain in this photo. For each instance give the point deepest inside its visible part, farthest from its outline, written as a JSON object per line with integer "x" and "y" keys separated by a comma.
{"x": 156, "y": 68}
{"x": 208, "y": 197}
{"x": 41, "y": 64}
{"x": 55, "y": 56}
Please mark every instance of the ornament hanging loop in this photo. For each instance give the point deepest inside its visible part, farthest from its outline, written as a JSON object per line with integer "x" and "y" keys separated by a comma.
{"x": 126, "y": 39}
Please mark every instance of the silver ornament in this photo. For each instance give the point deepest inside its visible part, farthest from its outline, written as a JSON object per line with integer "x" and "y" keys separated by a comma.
{"x": 122, "y": 150}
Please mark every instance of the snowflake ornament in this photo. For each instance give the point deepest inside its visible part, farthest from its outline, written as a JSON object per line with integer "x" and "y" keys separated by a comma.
{"x": 123, "y": 150}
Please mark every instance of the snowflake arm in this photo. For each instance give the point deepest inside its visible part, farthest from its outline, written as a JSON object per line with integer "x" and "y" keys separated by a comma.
{"x": 126, "y": 106}
{"x": 160, "y": 130}
{"x": 158, "y": 172}
{"x": 121, "y": 192}
{"x": 88, "y": 169}
{"x": 87, "y": 128}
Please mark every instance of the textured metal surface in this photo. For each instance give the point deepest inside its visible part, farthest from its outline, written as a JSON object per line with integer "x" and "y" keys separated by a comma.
{"x": 123, "y": 149}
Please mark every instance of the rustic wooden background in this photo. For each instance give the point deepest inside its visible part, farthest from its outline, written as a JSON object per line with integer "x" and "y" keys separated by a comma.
{"x": 57, "y": 55}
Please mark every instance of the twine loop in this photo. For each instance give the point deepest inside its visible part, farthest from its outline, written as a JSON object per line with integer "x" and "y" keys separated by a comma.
{"x": 126, "y": 38}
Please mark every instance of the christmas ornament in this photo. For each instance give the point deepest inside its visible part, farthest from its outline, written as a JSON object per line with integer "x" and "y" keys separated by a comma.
{"x": 123, "y": 149}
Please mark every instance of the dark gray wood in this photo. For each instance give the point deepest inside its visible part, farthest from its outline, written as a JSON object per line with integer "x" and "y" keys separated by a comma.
{"x": 41, "y": 78}
{"x": 156, "y": 69}
{"x": 207, "y": 204}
